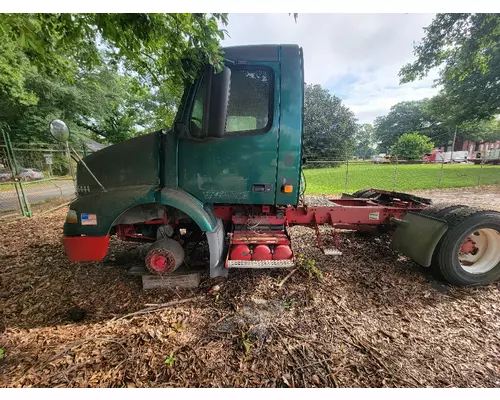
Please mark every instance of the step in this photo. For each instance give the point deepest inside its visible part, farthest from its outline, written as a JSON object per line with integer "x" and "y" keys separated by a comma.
{"x": 249, "y": 237}
{"x": 326, "y": 228}
{"x": 260, "y": 264}
{"x": 332, "y": 251}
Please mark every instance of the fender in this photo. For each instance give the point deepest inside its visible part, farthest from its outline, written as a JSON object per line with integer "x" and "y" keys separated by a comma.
{"x": 190, "y": 205}
{"x": 417, "y": 237}
{"x": 108, "y": 206}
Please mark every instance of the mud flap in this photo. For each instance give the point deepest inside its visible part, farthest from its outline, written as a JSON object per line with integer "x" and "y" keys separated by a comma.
{"x": 216, "y": 244}
{"x": 417, "y": 236}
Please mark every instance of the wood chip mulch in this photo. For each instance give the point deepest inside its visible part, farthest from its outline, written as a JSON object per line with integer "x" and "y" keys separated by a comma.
{"x": 370, "y": 319}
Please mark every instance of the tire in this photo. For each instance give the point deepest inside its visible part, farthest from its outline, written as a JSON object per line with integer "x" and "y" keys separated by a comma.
{"x": 441, "y": 210}
{"x": 465, "y": 222}
{"x": 365, "y": 194}
{"x": 360, "y": 192}
{"x": 164, "y": 256}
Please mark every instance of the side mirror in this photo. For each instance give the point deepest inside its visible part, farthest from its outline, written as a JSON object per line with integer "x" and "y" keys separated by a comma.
{"x": 218, "y": 101}
{"x": 59, "y": 130}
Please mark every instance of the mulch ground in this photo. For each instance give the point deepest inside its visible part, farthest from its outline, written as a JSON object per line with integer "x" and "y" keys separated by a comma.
{"x": 370, "y": 318}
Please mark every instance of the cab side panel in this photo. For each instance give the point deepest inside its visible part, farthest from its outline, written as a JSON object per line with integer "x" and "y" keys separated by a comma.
{"x": 290, "y": 136}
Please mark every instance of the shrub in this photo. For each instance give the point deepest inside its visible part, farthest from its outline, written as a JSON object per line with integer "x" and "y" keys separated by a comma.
{"x": 412, "y": 146}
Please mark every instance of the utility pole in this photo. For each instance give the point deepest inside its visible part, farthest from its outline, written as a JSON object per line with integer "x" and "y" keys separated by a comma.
{"x": 453, "y": 145}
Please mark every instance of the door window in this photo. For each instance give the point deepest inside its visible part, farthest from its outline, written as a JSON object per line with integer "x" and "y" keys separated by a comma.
{"x": 198, "y": 112}
{"x": 249, "y": 108}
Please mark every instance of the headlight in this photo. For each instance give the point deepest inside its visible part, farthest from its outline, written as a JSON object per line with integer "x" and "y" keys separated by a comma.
{"x": 71, "y": 217}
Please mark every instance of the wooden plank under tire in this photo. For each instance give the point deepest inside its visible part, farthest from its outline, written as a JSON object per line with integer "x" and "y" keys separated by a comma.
{"x": 189, "y": 280}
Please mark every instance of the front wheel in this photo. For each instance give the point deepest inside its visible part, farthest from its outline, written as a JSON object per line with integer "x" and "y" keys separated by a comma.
{"x": 469, "y": 252}
{"x": 164, "y": 256}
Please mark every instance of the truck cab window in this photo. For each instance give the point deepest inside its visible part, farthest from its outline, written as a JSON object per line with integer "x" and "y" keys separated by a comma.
{"x": 249, "y": 101}
{"x": 196, "y": 122}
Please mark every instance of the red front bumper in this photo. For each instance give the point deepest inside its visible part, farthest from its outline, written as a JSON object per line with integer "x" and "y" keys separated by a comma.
{"x": 86, "y": 248}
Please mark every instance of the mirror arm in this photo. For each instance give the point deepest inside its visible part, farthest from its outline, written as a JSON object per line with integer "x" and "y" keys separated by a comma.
{"x": 87, "y": 168}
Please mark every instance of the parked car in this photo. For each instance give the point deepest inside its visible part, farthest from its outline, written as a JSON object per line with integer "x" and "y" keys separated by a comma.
{"x": 5, "y": 175}
{"x": 30, "y": 174}
{"x": 382, "y": 158}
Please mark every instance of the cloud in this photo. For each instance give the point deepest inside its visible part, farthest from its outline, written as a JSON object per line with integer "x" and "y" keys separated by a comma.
{"x": 374, "y": 92}
{"x": 356, "y": 56}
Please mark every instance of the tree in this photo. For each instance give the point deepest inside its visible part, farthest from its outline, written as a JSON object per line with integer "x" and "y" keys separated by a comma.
{"x": 435, "y": 118}
{"x": 404, "y": 117}
{"x": 154, "y": 47}
{"x": 412, "y": 146}
{"x": 449, "y": 121}
{"x": 467, "y": 48}
{"x": 329, "y": 126}
{"x": 110, "y": 76}
{"x": 365, "y": 142}
{"x": 102, "y": 105}
{"x": 487, "y": 131}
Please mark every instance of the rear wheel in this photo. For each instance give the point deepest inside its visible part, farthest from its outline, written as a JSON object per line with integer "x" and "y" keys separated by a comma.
{"x": 440, "y": 210}
{"x": 365, "y": 194}
{"x": 469, "y": 252}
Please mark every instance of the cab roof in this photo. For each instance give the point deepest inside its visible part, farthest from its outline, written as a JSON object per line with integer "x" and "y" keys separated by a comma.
{"x": 260, "y": 52}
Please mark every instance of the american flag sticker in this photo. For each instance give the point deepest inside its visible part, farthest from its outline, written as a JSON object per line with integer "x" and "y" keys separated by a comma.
{"x": 89, "y": 219}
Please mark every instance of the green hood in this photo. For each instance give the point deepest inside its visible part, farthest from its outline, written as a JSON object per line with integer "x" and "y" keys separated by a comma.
{"x": 129, "y": 163}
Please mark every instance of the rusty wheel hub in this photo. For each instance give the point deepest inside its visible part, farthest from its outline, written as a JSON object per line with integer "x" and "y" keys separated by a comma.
{"x": 160, "y": 261}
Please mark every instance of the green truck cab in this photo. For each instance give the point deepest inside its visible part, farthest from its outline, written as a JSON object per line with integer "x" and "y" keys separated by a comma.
{"x": 237, "y": 139}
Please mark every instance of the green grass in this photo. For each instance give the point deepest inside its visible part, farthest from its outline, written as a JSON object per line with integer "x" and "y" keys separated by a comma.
{"x": 409, "y": 177}
{"x": 47, "y": 182}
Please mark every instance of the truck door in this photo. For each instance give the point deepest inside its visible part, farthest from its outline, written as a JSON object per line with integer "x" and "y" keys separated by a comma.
{"x": 239, "y": 167}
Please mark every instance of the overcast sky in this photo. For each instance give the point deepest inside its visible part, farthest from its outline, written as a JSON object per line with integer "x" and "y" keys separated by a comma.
{"x": 355, "y": 56}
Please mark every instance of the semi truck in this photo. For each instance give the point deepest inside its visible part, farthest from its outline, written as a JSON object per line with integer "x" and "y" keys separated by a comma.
{"x": 439, "y": 157}
{"x": 229, "y": 171}
{"x": 491, "y": 156}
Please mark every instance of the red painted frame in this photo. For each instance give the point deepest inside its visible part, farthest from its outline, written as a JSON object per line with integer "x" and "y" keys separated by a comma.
{"x": 343, "y": 214}
{"x": 350, "y": 213}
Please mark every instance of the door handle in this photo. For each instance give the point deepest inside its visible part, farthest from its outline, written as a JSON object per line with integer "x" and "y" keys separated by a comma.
{"x": 262, "y": 187}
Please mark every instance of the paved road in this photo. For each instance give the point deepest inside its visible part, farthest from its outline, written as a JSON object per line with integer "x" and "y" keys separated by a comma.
{"x": 37, "y": 193}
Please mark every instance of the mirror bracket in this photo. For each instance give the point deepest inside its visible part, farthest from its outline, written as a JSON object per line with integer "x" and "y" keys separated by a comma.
{"x": 87, "y": 168}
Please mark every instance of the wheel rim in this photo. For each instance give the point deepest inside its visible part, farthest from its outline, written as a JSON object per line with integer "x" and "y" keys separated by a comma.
{"x": 480, "y": 251}
{"x": 160, "y": 261}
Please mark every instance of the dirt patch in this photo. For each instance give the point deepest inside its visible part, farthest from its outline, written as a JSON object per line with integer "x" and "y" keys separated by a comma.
{"x": 480, "y": 196}
{"x": 371, "y": 318}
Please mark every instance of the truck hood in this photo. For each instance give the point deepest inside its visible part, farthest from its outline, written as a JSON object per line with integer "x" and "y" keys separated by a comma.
{"x": 129, "y": 163}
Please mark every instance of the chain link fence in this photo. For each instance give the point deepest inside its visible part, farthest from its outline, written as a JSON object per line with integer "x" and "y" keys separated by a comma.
{"x": 326, "y": 176}
{"x": 34, "y": 178}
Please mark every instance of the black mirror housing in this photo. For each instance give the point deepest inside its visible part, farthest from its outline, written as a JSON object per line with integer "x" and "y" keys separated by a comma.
{"x": 219, "y": 99}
